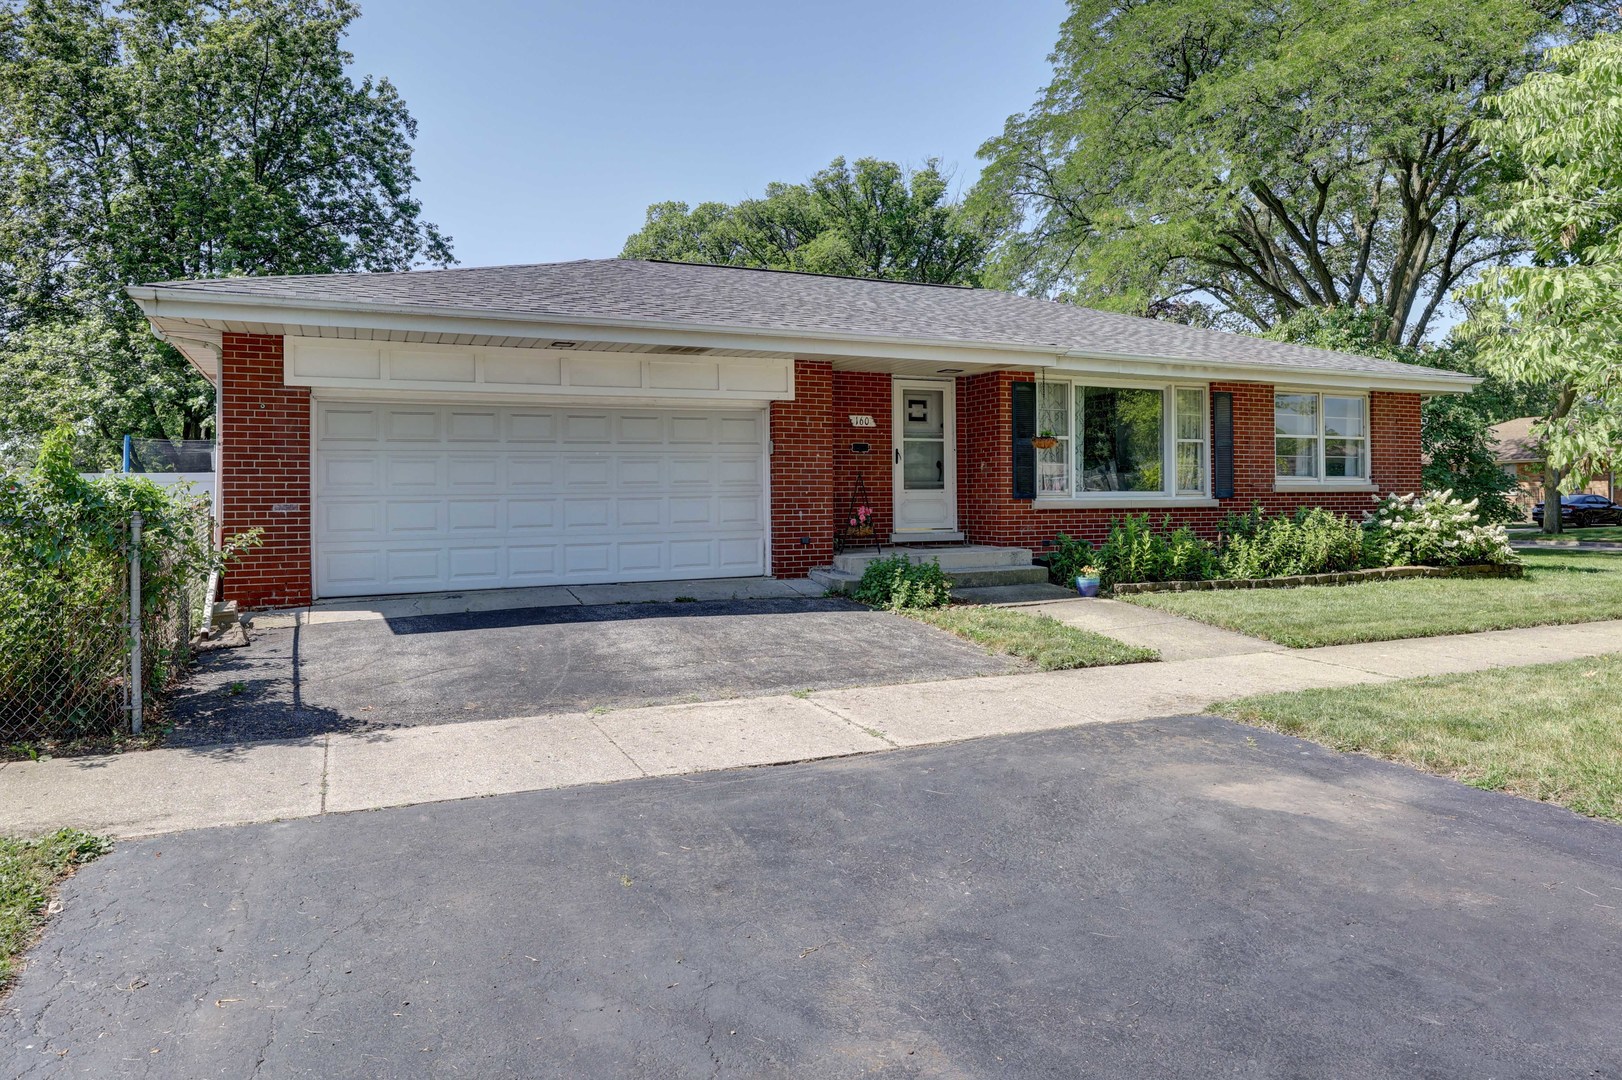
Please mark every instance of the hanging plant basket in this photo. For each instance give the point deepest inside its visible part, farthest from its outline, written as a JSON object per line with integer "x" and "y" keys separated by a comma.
{"x": 1044, "y": 442}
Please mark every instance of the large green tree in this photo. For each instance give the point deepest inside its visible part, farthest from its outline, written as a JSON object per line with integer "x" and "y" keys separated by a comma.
{"x": 1556, "y": 318}
{"x": 149, "y": 140}
{"x": 872, "y": 219}
{"x": 1238, "y": 161}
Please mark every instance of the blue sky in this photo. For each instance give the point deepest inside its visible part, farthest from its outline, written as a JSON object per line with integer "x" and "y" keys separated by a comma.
{"x": 545, "y": 129}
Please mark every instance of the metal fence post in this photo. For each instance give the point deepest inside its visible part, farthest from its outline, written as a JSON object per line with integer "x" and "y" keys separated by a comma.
{"x": 136, "y": 687}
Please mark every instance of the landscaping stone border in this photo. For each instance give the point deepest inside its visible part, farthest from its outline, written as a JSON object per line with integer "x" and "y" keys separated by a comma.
{"x": 1348, "y": 577}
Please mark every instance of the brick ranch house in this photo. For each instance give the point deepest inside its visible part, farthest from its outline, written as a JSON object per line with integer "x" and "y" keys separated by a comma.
{"x": 613, "y": 420}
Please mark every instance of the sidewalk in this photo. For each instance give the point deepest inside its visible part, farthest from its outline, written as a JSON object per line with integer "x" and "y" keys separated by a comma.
{"x": 170, "y": 789}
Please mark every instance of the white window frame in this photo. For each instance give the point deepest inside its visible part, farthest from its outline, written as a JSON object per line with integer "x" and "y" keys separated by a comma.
{"x": 1168, "y": 495}
{"x": 1322, "y": 481}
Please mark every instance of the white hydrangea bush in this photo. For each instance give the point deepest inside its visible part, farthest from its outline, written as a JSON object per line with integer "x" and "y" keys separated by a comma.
{"x": 1433, "y": 528}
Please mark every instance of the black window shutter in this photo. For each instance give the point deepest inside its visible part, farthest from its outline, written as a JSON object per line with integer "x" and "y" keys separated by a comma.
{"x": 1222, "y": 444}
{"x": 1024, "y": 410}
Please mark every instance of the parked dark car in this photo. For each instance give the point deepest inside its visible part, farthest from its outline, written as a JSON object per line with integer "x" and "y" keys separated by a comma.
{"x": 1580, "y": 510}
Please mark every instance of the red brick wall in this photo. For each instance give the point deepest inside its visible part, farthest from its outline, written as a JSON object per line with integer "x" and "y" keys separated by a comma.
{"x": 1394, "y": 432}
{"x": 991, "y": 515}
{"x": 864, "y": 393}
{"x": 264, "y": 464}
{"x": 986, "y": 508}
{"x": 803, "y": 473}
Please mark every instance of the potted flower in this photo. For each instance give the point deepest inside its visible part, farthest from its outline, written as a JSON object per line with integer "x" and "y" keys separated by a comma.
{"x": 1087, "y": 582}
{"x": 861, "y": 521}
{"x": 1045, "y": 440}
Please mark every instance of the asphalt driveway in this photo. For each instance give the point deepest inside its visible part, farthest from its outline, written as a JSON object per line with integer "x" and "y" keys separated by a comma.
{"x": 430, "y": 669}
{"x": 1183, "y": 898}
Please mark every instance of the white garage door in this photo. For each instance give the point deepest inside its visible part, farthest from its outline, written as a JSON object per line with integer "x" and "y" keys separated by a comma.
{"x": 413, "y": 498}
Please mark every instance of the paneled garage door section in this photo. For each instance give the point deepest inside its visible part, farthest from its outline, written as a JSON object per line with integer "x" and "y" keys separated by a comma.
{"x": 414, "y": 498}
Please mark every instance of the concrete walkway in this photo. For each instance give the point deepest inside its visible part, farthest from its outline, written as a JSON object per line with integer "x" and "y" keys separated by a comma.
{"x": 171, "y": 789}
{"x": 1173, "y": 636}
{"x": 1523, "y": 544}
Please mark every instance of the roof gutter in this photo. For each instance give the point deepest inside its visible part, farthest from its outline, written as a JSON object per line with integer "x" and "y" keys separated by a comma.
{"x": 1420, "y": 380}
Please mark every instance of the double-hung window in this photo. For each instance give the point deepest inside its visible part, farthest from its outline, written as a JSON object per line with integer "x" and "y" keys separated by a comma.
{"x": 1115, "y": 441}
{"x": 1320, "y": 438}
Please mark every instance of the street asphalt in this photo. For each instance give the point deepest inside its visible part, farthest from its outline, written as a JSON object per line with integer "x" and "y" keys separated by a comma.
{"x": 1177, "y": 898}
{"x": 491, "y": 665}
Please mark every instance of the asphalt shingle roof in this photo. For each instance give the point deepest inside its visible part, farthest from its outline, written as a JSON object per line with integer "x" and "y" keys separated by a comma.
{"x": 715, "y": 297}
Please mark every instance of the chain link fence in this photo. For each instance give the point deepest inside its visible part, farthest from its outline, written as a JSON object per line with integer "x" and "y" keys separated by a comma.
{"x": 64, "y": 655}
{"x": 69, "y": 648}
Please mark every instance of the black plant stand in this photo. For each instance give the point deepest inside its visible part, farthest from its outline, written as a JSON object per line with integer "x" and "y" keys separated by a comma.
{"x": 863, "y": 534}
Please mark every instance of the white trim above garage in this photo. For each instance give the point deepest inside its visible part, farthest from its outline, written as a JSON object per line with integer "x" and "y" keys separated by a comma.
{"x": 485, "y": 371}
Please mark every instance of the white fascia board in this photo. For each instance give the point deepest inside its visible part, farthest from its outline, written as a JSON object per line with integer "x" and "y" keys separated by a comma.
{"x": 184, "y": 304}
{"x": 1419, "y": 382}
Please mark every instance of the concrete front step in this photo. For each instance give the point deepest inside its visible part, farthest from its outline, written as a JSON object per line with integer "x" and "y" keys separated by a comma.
{"x": 951, "y": 558}
{"x": 962, "y": 577}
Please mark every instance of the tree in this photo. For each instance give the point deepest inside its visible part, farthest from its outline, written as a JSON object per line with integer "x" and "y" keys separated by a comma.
{"x": 1455, "y": 434}
{"x": 872, "y": 220}
{"x": 161, "y": 139}
{"x": 1557, "y": 318}
{"x": 1264, "y": 157}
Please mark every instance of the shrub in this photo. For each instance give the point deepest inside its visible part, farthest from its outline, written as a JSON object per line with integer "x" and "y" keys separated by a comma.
{"x": 1069, "y": 557}
{"x": 1133, "y": 551}
{"x": 898, "y": 583}
{"x": 1311, "y": 541}
{"x": 1187, "y": 557}
{"x": 1435, "y": 529}
{"x": 64, "y": 589}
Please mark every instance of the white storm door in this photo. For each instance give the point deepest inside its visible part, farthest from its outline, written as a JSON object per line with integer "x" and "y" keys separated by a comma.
{"x": 924, "y": 458}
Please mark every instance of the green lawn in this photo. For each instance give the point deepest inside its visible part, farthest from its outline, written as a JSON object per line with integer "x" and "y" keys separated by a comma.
{"x": 29, "y": 872}
{"x": 1609, "y": 533}
{"x": 1560, "y": 586}
{"x": 1551, "y": 732}
{"x": 1048, "y": 643}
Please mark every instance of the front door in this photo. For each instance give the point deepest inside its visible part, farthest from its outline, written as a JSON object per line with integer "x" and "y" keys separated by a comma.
{"x": 925, "y": 457}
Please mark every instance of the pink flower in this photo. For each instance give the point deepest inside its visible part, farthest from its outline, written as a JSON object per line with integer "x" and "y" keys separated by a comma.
{"x": 852, "y": 521}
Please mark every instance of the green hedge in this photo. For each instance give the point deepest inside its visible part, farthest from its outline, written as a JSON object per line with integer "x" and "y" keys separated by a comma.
{"x": 1430, "y": 529}
{"x": 64, "y": 593}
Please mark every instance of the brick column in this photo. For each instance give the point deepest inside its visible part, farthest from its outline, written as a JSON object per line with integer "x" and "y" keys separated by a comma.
{"x": 264, "y": 473}
{"x": 803, "y": 473}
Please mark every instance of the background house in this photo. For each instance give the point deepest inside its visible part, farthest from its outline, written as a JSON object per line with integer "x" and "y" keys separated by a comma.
{"x": 1520, "y": 455}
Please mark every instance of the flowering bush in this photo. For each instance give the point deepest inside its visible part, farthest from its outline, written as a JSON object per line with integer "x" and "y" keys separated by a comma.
{"x": 1434, "y": 529}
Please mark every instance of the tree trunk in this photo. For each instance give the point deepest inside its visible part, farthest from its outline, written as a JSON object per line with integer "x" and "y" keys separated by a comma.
{"x": 1551, "y": 500}
{"x": 1564, "y": 399}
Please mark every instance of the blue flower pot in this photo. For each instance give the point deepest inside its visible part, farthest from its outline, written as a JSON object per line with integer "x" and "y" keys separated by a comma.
{"x": 1087, "y": 586}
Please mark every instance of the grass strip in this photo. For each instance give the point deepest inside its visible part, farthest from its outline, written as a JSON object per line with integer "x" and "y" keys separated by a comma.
{"x": 1560, "y": 586}
{"x": 1049, "y": 644}
{"x": 29, "y": 873}
{"x": 1551, "y": 732}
